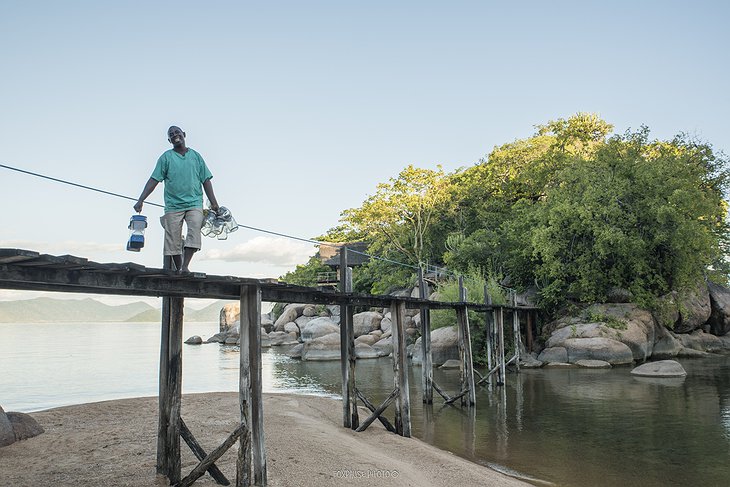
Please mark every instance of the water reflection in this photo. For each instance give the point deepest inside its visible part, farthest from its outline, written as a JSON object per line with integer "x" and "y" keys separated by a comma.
{"x": 573, "y": 427}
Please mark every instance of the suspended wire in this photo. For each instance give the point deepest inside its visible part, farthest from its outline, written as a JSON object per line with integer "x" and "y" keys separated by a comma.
{"x": 301, "y": 239}
{"x": 75, "y": 184}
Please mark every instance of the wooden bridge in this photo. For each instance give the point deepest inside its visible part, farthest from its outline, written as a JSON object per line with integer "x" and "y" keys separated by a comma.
{"x": 28, "y": 270}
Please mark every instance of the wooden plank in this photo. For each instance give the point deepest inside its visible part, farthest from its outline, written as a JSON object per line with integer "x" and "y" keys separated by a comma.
{"x": 201, "y": 468}
{"x": 528, "y": 331}
{"x": 500, "y": 344}
{"x": 8, "y": 256}
{"x": 516, "y": 335}
{"x": 427, "y": 359}
{"x": 376, "y": 414}
{"x": 200, "y": 453}
{"x": 440, "y": 391}
{"x": 258, "y": 450}
{"x": 400, "y": 370}
{"x": 383, "y": 420}
{"x": 244, "y": 463}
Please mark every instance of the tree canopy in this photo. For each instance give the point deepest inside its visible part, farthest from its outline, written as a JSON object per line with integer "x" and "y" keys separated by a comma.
{"x": 573, "y": 210}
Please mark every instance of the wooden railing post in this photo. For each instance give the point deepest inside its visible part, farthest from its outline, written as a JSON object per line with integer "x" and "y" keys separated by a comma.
{"x": 163, "y": 398}
{"x": 251, "y": 451}
{"x": 350, "y": 418}
{"x": 467, "y": 365}
{"x": 427, "y": 362}
{"x": 400, "y": 371}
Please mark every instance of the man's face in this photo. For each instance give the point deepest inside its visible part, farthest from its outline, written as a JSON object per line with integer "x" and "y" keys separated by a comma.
{"x": 176, "y": 136}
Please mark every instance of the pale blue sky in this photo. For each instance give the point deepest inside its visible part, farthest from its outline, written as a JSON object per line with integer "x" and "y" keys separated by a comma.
{"x": 301, "y": 108}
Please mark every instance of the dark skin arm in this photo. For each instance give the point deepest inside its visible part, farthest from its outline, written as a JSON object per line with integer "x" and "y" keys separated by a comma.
{"x": 208, "y": 188}
{"x": 148, "y": 189}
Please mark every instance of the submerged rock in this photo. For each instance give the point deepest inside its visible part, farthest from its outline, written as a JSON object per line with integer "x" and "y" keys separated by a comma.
{"x": 662, "y": 368}
{"x": 194, "y": 340}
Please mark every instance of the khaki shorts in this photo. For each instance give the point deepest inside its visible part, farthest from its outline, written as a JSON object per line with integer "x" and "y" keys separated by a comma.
{"x": 173, "y": 223}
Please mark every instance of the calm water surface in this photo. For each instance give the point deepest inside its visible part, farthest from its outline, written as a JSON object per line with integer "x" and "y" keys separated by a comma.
{"x": 568, "y": 427}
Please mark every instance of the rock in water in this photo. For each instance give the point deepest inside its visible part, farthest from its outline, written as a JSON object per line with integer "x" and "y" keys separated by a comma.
{"x": 194, "y": 340}
{"x": 662, "y": 368}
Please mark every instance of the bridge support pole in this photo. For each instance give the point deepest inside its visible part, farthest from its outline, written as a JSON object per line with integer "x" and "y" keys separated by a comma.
{"x": 251, "y": 451}
{"x": 350, "y": 418}
{"x": 170, "y": 390}
{"x": 427, "y": 362}
{"x": 400, "y": 369}
{"x": 467, "y": 365}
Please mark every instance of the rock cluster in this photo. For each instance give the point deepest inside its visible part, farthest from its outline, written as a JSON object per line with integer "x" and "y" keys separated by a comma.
{"x": 17, "y": 426}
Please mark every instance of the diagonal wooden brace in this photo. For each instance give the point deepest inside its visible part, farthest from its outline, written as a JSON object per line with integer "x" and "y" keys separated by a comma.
{"x": 200, "y": 454}
{"x": 200, "y": 469}
{"x": 372, "y": 408}
{"x": 376, "y": 414}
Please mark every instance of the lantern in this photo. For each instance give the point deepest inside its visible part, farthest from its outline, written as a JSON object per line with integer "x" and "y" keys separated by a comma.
{"x": 137, "y": 224}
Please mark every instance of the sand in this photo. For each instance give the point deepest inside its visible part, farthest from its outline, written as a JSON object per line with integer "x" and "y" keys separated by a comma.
{"x": 113, "y": 443}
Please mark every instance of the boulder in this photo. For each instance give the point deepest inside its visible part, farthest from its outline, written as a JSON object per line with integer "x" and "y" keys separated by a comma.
{"x": 325, "y": 347}
{"x": 194, "y": 340}
{"x": 619, "y": 295}
{"x": 367, "y": 339}
{"x": 444, "y": 346}
{"x": 386, "y": 324}
{"x": 527, "y": 361}
{"x": 217, "y": 338}
{"x": 291, "y": 312}
{"x": 363, "y": 350}
{"x": 686, "y": 312}
{"x": 7, "y": 436}
{"x": 319, "y": 327}
{"x": 384, "y": 346}
{"x": 364, "y": 323}
{"x": 606, "y": 349}
{"x": 376, "y": 333}
{"x": 230, "y": 313}
{"x": 24, "y": 426}
{"x": 296, "y": 351}
{"x": 303, "y": 320}
{"x": 666, "y": 344}
{"x": 720, "y": 309}
{"x": 662, "y": 368}
{"x": 309, "y": 311}
{"x": 699, "y": 340}
{"x": 266, "y": 323}
{"x": 279, "y": 338}
{"x": 292, "y": 327}
{"x": 593, "y": 364}
{"x": 553, "y": 355}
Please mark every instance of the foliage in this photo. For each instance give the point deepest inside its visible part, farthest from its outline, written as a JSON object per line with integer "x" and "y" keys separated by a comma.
{"x": 306, "y": 274}
{"x": 449, "y": 291}
{"x": 572, "y": 210}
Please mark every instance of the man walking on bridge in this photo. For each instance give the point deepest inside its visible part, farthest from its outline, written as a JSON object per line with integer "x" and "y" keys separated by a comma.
{"x": 186, "y": 176}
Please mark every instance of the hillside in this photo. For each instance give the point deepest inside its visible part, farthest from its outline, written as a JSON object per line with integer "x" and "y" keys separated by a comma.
{"x": 41, "y": 310}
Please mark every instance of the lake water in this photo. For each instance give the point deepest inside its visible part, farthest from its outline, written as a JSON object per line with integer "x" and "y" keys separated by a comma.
{"x": 570, "y": 427}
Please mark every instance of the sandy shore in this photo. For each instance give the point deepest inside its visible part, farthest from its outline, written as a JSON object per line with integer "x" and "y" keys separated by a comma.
{"x": 113, "y": 443}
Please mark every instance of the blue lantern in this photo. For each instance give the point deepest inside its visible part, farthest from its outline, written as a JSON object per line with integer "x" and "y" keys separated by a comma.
{"x": 137, "y": 224}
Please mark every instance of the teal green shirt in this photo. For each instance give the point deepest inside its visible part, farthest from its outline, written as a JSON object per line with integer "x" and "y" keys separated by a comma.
{"x": 184, "y": 177}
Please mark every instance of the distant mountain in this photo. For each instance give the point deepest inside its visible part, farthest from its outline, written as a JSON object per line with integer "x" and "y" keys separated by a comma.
{"x": 40, "y": 310}
{"x": 209, "y": 313}
{"x": 84, "y": 310}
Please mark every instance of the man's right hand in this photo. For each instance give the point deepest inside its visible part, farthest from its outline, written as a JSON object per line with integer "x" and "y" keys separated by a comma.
{"x": 138, "y": 206}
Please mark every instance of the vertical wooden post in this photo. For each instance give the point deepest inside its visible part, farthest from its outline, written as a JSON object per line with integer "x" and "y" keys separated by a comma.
{"x": 163, "y": 398}
{"x": 467, "y": 365}
{"x": 500, "y": 343}
{"x": 488, "y": 323}
{"x": 528, "y": 331}
{"x": 427, "y": 362}
{"x": 251, "y": 450}
{"x": 354, "y": 416}
{"x": 400, "y": 371}
{"x": 174, "y": 388}
{"x": 516, "y": 330}
{"x": 345, "y": 346}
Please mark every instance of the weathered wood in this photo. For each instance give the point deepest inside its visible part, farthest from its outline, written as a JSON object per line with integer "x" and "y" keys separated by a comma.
{"x": 467, "y": 362}
{"x": 517, "y": 336}
{"x": 251, "y": 453}
{"x": 201, "y": 468}
{"x": 400, "y": 371}
{"x": 458, "y": 396}
{"x": 427, "y": 359}
{"x": 163, "y": 398}
{"x": 500, "y": 344}
{"x": 174, "y": 388}
{"x": 376, "y": 414}
{"x": 372, "y": 408}
{"x": 440, "y": 391}
{"x": 528, "y": 331}
{"x": 200, "y": 453}
{"x": 345, "y": 340}
{"x": 489, "y": 325}
{"x": 355, "y": 418}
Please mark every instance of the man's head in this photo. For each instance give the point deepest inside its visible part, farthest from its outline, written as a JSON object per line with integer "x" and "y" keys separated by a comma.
{"x": 176, "y": 136}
